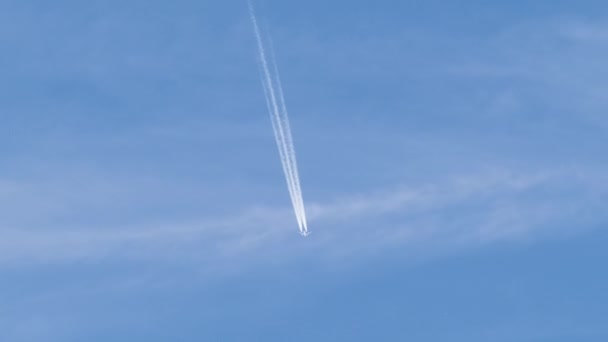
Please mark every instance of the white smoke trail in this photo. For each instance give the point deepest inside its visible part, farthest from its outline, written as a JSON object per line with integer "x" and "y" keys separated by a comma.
{"x": 278, "y": 128}
{"x": 282, "y": 134}
{"x": 291, "y": 154}
{"x": 283, "y": 152}
{"x": 280, "y": 124}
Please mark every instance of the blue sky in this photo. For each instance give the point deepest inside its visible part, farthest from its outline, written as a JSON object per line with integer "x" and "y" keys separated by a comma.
{"x": 452, "y": 160}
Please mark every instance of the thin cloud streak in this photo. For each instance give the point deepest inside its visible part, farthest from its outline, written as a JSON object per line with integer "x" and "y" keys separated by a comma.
{"x": 417, "y": 217}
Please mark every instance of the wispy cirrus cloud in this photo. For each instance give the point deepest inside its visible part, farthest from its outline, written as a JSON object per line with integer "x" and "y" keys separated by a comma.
{"x": 461, "y": 211}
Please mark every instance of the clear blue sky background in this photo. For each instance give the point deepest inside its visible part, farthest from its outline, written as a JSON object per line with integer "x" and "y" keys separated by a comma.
{"x": 452, "y": 156}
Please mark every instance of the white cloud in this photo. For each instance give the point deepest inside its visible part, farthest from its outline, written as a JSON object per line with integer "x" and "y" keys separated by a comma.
{"x": 462, "y": 211}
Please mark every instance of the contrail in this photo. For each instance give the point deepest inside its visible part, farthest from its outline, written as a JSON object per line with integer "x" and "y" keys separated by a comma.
{"x": 289, "y": 140}
{"x": 282, "y": 132}
{"x": 273, "y": 92}
{"x": 277, "y": 125}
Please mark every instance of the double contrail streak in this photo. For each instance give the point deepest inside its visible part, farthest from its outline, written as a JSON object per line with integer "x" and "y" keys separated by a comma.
{"x": 273, "y": 92}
